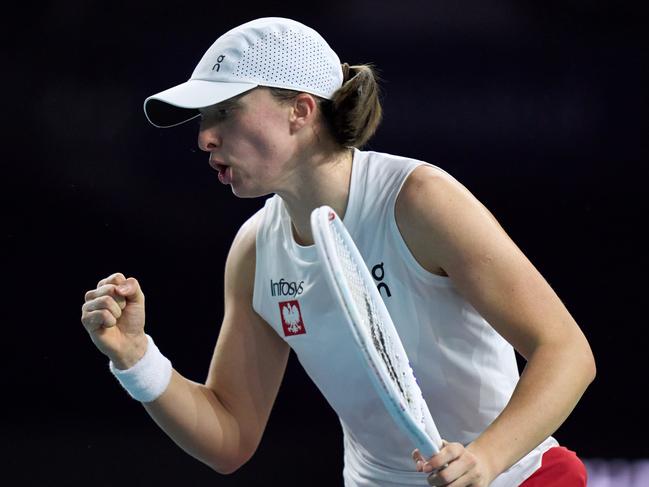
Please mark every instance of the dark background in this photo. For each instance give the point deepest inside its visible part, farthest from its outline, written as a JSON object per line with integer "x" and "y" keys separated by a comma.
{"x": 539, "y": 108}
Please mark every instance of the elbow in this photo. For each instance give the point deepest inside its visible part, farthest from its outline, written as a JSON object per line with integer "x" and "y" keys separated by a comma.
{"x": 227, "y": 468}
{"x": 584, "y": 362}
{"x": 577, "y": 358}
{"x": 582, "y": 357}
{"x": 592, "y": 366}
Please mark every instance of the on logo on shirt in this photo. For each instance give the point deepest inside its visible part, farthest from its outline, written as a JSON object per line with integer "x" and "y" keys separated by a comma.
{"x": 291, "y": 318}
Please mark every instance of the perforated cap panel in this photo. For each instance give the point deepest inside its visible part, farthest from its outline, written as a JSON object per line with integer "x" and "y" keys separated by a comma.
{"x": 275, "y": 52}
{"x": 289, "y": 58}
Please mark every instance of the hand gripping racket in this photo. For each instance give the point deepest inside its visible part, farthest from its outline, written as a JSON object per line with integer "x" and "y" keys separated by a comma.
{"x": 373, "y": 330}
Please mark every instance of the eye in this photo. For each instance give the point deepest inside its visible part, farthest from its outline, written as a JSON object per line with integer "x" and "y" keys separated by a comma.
{"x": 222, "y": 113}
{"x": 215, "y": 115}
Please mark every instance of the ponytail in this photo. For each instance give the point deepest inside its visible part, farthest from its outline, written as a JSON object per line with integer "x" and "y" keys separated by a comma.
{"x": 354, "y": 112}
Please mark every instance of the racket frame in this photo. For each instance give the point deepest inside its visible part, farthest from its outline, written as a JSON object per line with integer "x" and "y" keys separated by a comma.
{"x": 424, "y": 434}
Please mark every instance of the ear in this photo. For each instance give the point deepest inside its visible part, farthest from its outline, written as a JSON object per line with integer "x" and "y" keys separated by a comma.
{"x": 303, "y": 111}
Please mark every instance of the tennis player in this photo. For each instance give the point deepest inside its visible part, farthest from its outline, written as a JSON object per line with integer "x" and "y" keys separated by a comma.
{"x": 279, "y": 115}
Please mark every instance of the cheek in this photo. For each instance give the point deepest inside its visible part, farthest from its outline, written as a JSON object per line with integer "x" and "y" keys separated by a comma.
{"x": 266, "y": 140}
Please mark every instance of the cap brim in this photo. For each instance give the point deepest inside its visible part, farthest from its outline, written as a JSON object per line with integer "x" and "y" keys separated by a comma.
{"x": 180, "y": 104}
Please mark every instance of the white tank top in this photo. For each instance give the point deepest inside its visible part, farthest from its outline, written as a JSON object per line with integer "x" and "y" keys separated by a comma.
{"x": 466, "y": 370}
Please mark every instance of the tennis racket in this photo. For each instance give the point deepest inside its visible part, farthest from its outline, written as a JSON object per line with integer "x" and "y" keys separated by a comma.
{"x": 374, "y": 333}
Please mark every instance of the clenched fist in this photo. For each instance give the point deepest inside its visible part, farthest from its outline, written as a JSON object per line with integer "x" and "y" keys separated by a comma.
{"x": 113, "y": 315}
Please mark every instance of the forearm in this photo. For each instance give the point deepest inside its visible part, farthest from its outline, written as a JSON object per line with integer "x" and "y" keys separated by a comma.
{"x": 552, "y": 383}
{"x": 194, "y": 418}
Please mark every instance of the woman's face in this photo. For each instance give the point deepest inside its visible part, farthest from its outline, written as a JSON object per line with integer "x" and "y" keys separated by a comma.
{"x": 250, "y": 143}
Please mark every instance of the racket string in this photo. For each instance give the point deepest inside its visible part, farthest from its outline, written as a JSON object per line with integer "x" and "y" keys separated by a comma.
{"x": 380, "y": 339}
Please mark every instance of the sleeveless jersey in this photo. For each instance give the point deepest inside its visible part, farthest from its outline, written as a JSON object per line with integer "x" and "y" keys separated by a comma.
{"x": 466, "y": 370}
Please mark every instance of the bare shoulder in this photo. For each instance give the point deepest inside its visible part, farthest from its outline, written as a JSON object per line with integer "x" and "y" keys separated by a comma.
{"x": 434, "y": 194}
{"x": 240, "y": 319}
{"x": 432, "y": 210}
{"x": 241, "y": 260}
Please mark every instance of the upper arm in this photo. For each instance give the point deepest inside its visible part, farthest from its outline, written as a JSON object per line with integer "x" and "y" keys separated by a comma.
{"x": 446, "y": 227}
{"x": 249, "y": 358}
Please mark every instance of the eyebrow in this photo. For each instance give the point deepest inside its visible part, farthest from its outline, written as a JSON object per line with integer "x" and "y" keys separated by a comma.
{"x": 227, "y": 104}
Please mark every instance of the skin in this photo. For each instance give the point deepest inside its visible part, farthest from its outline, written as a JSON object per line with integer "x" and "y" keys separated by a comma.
{"x": 449, "y": 231}
{"x": 282, "y": 148}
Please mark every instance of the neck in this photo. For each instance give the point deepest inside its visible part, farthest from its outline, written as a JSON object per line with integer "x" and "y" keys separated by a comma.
{"x": 322, "y": 180}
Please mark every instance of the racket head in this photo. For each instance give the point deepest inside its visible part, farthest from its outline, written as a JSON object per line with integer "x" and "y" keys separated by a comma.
{"x": 374, "y": 333}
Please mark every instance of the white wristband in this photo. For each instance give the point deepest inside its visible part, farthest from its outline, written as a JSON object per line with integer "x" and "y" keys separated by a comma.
{"x": 148, "y": 378}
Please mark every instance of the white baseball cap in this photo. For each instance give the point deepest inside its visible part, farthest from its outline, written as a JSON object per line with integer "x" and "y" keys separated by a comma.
{"x": 272, "y": 51}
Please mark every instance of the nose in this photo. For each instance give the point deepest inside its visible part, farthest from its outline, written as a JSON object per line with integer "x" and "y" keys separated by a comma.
{"x": 208, "y": 139}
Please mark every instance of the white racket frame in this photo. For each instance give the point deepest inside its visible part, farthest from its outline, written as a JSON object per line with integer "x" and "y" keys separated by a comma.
{"x": 422, "y": 431}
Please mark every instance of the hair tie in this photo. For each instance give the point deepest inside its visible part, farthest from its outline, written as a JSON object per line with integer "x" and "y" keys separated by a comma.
{"x": 346, "y": 71}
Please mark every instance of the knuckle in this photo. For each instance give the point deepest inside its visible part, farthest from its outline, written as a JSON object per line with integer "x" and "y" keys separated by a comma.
{"x": 117, "y": 276}
{"x": 106, "y": 300}
{"x": 101, "y": 317}
{"x": 444, "y": 476}
{"x": 132, "y": 281}
{"x": 112, "y": 278}
{"x": 105, "y": 289}
{"x": 111, "y": 304}
{"x": 92, "y": 305}
{"x": 455, "y": 449}
{"x": 92, "y": 319}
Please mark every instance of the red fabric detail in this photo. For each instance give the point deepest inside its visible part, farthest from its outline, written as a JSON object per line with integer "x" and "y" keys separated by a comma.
{"x": 291, "y": 315}
{"x": 560, "y": 467}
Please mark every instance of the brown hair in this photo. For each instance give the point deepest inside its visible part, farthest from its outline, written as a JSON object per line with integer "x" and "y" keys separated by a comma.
{"x": 354, "y": 112}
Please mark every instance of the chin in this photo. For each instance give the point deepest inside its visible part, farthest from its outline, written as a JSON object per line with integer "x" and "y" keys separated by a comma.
{"x": 248, "y": 192}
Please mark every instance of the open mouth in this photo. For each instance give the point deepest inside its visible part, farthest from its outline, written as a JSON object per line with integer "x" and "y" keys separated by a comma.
{"x": 225, "y": 173}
